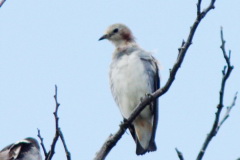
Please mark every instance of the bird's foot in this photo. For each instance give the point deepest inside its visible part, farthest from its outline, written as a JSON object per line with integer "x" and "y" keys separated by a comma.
{"x": 124, "y": 124}
{"x": 141, "y": 99}
{"x": 148, "y": 95}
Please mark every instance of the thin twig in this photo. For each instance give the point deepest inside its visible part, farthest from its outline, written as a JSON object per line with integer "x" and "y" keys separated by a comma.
{"x": 199, "y": 7}
{"x": 58, "y": 133}
{"x": 227, "y": 58}
{"x": 55, "y": 139}
{"x": 1, "y": 3}
{"x": 68, "y": 154}
{"x": 226, "y": 74}
{"x": 180, "y": 155}
{"x": 42, "y": 144}
{"x": 227, "y": 114}
{"x": 113, "y": 139}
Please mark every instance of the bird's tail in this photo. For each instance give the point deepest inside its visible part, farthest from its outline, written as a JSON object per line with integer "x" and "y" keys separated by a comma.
{"x": 141, "y": 131}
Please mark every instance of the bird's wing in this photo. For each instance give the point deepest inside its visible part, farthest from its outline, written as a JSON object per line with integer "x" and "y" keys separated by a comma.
{"x": 10, "y": 152}
{"x": 151, "y": 68}
{"x": 15, "y": 151}
{"x": 7, "y": 147}
{"x": 4, "y": 153}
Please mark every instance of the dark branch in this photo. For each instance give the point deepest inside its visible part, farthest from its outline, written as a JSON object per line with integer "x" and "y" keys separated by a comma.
{"x": 216, "y": 126}
{"x": 227, "y": 114}
{"x": 180, "y": 155}
{"x": 68, "y": 154}
{"x": 1, "y": 3}
{"x": 227, "y": 58}
{"x": 55, "y": 139}
{"x": 113, "y": 139}
{"x": 58, "y": 133}
{"x": 199, "y": 7}
{"x": 42, "y": 144}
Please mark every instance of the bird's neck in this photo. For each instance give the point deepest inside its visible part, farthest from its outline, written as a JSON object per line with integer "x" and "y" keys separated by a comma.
{"x": 126, "y": 49}
{"x": 123, "y": 45}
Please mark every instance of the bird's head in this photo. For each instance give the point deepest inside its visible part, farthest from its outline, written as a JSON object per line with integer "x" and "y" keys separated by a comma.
{"x": 32, "y": 141}
{"x": 119, "y": 34}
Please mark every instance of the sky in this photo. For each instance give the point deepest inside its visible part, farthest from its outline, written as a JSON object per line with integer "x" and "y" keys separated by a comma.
{"x": 43, "y": 43}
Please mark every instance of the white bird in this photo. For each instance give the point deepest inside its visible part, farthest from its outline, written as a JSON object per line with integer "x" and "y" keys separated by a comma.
{"x": 26, "y": 149}
{"x": 133, "y": 74}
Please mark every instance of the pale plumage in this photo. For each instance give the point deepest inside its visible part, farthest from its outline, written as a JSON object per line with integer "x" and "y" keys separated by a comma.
{"x": 26, "y": 149}
{"x": 133, "y": 74}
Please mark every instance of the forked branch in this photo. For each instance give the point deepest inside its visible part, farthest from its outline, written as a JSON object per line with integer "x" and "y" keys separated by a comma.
{"x": 217, "y": 123}
{"x": 58, "y": 133}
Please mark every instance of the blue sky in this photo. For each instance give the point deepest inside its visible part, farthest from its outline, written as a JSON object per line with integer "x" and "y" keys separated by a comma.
{"x": 44, "y": 43}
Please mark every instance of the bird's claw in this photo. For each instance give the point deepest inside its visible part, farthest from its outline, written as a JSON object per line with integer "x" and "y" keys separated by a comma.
{"x": 148, "y": 95}
{"x": 124, "y": 123}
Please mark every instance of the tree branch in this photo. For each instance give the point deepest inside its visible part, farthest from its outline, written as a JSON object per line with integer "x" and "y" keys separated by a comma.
{"x": 1, "y": 3}
{"x": 228, "y": 110}
{"x": 199, "y": 7}
{"x": 68, "y": 154}
{"x": 113, "y": 139}
{"x": 42, "y": 144}
{"x": 216, "y": 124}
{"x": 180, "y": 155}
{"x": 55, "y": 139}
{"x": 58, "y": 133}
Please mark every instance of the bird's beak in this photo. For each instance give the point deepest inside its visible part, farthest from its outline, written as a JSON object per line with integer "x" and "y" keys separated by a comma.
{"x": 103, "y": 37}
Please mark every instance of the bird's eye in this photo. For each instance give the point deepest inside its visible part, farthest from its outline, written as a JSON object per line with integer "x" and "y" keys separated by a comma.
{"x": 115, "y": 30}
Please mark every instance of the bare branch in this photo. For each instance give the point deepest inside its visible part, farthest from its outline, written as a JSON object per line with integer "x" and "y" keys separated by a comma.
{"x": 227, "y": 58}
{"x": 58, "y": 133}
{"x": 180, "y": 155}
{"x": 210, "y": 6}
{"x": 199, "y": 7}
{"x": 1, "y": 3}
{"x": 68, "y": 154}
{"x": 42, "y": 144}
{"x": 216, "y": 126}
{"x": 55, "y": 139}
{"x": 227, "y": 114}
{"x": 113, "y": 139}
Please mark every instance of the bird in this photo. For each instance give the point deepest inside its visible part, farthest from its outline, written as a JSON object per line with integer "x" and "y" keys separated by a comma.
{"x": 134, "y": 73}
{"x": 26, "y": 149}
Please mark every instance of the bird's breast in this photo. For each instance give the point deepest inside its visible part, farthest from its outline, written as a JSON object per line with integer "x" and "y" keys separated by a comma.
{"x": 128, "y": 82}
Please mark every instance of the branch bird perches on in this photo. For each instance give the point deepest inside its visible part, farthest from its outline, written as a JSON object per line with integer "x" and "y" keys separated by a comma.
{"x": 113, "y": 139}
